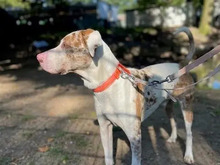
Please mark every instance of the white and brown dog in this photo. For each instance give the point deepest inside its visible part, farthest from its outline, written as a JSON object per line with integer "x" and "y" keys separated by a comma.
{"x": 117, "y": 100}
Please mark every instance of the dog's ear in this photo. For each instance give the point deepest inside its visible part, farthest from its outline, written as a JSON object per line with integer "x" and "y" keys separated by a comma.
{"x": 93, "y": 40}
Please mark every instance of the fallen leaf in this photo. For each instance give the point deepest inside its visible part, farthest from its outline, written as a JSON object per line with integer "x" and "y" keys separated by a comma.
{"x": 50, "y": 140}
{"x": 43, "y": 149}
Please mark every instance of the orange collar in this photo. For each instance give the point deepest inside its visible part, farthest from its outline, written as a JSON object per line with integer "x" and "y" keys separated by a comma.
{"x": 112, "y": 78}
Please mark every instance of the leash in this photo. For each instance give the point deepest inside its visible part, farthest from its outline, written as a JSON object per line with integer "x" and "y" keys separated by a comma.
{"x": 178, "y": 74}
{"x": 126, "y": 74}
{"x": 154, "y": 83}
{"x": 208, "y": 76}
{"x": 194, "y": 64}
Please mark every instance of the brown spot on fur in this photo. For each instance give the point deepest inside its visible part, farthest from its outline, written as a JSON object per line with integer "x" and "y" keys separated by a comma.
{"x": 76, "y": 49}
{"x": 80, "y": 61}
{"x": 189, "y": 116}
{"x": 82, "y": 39}
{"x": 139, "y": 73}
{"x": 77, "y": 39}
{"x": 86, "y": 33}
{"x": 184, "y": 81}
{"x": 73, "y": 41}
{"x": 139, "y": 100}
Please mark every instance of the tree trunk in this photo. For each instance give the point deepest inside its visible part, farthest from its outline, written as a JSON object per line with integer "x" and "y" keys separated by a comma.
{"x": 206, "y": 18}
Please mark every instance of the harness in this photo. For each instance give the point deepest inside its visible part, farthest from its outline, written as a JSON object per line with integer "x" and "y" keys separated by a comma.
{"x": 126, "y": 74}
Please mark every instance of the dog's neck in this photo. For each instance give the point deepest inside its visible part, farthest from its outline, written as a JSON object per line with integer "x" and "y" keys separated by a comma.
{"x": 103, "y": 65}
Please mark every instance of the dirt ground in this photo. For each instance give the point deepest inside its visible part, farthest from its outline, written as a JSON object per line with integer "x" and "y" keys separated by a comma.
{"x": 51, "y": 120}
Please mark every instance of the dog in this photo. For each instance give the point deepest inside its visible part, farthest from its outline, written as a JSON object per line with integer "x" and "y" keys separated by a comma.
{"x": 118, "y": 101}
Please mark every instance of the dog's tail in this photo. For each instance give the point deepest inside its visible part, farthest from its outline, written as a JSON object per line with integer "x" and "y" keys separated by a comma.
{"x": 191, "y": 43}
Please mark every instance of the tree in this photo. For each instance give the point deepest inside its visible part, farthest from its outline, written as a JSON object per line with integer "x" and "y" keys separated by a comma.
{"x": 158, "y": 3}
{"x": 14, "y": 3}
{"x": 205, "y": 23}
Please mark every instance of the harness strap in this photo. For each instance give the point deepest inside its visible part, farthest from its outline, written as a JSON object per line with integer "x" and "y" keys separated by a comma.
{"x": 208, "y": 76}
{"x": 181, "y": 72}
{"x": 194, "y": 64}
{"x": 119, "y": 69}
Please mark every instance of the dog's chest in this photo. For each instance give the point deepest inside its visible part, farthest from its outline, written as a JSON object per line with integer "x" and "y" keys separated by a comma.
{"x": 118, "y": 103}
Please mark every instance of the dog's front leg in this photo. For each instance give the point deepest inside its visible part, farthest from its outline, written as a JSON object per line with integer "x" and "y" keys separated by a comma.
{"x": 135, "y": 142}
{"x": 107, "y": 139}
{"x": 134, "y": 136}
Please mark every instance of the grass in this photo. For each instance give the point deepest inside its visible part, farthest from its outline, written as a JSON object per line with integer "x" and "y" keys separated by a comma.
{"x": 27, "y": 135}
{"x": 204, "y": 87}
{"x": 30, "y": 163}
{"x": 93, "y": 114}
{"x": 74, "y": 116}
{"x": 64, "y": 158}
{"x": 5, "y": 160}
{"x": 56, "y": 151}
{"x": 59, "y": 153}
{"x": 202, "y": 70}
{"x": 60, "y": 134}
{"x": 27, "y": 118}
{"x": 217, "y": 112}
{"x": 80, "y": 141}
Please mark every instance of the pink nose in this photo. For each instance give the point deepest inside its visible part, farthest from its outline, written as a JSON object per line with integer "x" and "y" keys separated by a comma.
{"x": 41, "y": 57}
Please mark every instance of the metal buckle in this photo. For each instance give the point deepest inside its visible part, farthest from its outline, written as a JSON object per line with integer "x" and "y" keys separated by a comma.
{"x": 131, "y": 78}
{"x": 124, "y": 75}
{"x": 154, "y": 83}
{"x": 169, "y": 78}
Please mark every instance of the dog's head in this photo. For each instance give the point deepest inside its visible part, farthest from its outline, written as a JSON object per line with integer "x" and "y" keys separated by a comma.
{"x": 75, "y": 52}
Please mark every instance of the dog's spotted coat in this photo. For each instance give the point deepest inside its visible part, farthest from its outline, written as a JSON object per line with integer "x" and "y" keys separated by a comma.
{"x": 122, "y": 104}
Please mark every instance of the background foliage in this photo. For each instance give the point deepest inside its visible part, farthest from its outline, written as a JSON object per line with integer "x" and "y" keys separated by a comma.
{"x": 14, "y": 3}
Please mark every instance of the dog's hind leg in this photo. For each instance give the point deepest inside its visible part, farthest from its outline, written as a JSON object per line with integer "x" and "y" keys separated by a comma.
{"x": 107, "y": 139}
{"x": 186, "y": 107}
{"x": 169, "y": 112}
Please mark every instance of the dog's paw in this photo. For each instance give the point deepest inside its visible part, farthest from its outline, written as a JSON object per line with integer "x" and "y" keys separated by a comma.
{"x": 188, "y": 159}
{"x": 171, "y": 139}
